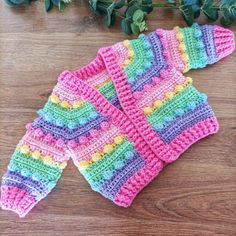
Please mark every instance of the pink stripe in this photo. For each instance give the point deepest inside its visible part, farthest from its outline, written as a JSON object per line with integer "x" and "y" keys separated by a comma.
{"x": 192, "y": 135}
{"x": 172, "y": 46}
{"x": 83, "y": 152}
{"x": 224, "y": 41}
{"x": 128, "y": 103}
{"x": 121, "y": 53}
{"x": 137, "y": 182}
{"x": 45, "y": 147}
{"x": 65, "y": 94}
{"x": 118, "y": 118}
{"x": 17, "y": 200}
{"x": 142, "y": 178}
{"x": 159, "y": 91}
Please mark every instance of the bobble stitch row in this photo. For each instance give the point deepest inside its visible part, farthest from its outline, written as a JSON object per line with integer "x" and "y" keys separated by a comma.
{"x": 168, "y": 96}
{"x": 129, "y": 60}
{"x": 36, "y": 154}
{"x": 108, "y": 149}
{"x": 182, "y": 48}
{"x": 65, "y": 104}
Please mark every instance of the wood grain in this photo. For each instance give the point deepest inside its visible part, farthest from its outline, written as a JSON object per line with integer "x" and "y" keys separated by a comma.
{"x": 196, "y": 195}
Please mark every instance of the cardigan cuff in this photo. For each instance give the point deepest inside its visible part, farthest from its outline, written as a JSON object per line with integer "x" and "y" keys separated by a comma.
{"x": 16, "y": 200}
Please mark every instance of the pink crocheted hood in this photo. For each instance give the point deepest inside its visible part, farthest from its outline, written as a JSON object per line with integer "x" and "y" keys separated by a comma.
{"x": 121, "y": 118}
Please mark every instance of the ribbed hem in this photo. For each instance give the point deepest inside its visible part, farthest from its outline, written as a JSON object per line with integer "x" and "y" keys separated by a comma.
{"x": 137, "y": 182}
{"x": 16, "y": 200}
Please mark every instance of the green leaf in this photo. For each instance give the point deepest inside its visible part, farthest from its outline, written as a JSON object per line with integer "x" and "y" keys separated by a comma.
{"x": 138, "y": 16}
{"x": 225, "y": 21}
{"x": 210, "y": 10}
{"x": 61, "y": 6}
{"x": 228, "y": 9}
{"x": 125, "y": 26}
{"x": 147, "y": 6}
{"x": 119, "y": 4}
{"x": 110, "y": 15}
{"x": 48, "y": 5}
{"x": 187, "y": 12}
{"x": 194, "y": 4}
{"x": 135, "y": 28}
{"x": 132, "y": 7}
{"x": 171, "y": 2}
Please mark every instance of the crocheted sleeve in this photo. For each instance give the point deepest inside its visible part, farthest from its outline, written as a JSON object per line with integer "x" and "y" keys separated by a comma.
{"x": 197, "y": 46}
{"x": 39, "y": 158}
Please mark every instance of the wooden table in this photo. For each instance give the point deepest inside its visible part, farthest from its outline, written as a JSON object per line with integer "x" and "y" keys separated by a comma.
{"x": 195, "y": 195}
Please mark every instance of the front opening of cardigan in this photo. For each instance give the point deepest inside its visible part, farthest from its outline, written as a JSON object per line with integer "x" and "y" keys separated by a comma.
{"x": 121, "y": 118}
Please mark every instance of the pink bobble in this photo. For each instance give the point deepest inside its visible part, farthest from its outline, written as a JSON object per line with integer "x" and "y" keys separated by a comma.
{"x": 29, "y": 126}
{"x": 104, "y": 125}
{"x": 83, "y": 140}
{"x": 38, "y": 133}
{"x": 60, "y": 143}
{"x": 94, "y": 133}
{"x": 72, "y": 144}
{"x": 48, "y": 138}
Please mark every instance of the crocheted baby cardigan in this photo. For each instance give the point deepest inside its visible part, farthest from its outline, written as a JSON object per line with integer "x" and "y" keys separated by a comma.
{"x": 121, "y": 118}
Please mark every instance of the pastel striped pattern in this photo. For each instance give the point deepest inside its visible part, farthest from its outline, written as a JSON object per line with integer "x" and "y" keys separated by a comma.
{"x": 121, "y": 118}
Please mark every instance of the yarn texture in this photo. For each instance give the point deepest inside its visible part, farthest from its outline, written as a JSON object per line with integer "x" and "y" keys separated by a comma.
{"x": 121, "y": 118}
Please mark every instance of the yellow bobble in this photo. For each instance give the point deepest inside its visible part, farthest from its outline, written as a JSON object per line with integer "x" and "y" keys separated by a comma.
{"x": 176, "y": 28}
{"x": 185, "y": 58}
{"x": 180, "y": 36}
{"x": 178, "y": 88}
{"x": 83, "y": 164}
{"x": 77, "y": 104}
{"x": 36, "y": 154}
{"x": 47, "y": 160}
{"x": 65, "y": 104}
{"x": 131, "y": 53}
{"x": 118, "y": 140}
{"x": 25, "y": 149}
{"x": 96, "y": 156}
{"x": 189, "y": 80}
{"x": 126, "y": 43}
{"x": 170, "y": 95}
{"x": 108, "y": 149}
{"x": 181, "y": 48}
{"x": 126, "y": 62}
{"x": 147, "y": 110}
{"x": 55, "y": 99}
{"x": 62, "y": 165}
{"x": 157, "y": 104}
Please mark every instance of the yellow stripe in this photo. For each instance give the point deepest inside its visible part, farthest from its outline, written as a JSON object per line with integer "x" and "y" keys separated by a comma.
{"x": 108, "y": 149}
{"x": 65, "y": 104}
{"x": 168, "y": 96}
{"x": 182, "y": 49}
{"x": 48, "y": 160}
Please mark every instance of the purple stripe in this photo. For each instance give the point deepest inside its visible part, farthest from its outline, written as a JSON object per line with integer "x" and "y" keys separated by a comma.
{"x": 177, "y": 126}
{"x": 111, "y": 187}
{"x": 65, "y": 133}
{"x": 158, "y": 63}
{"x": 32, "y": 187}
{"x": 208, "y": 40}
{"x": 115, "y": 102}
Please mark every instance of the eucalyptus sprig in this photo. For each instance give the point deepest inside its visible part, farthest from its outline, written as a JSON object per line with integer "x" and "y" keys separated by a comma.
{"x": 134, "y": 12}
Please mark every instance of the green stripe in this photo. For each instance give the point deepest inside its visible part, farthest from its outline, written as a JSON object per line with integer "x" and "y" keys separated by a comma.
{"x": 180, "y": 101}
{"x": 94, "y": 173}
{"x": 108, "y": 90}
{"x": 21, "y": 162}
{"x": 139, "y": 59}
{"x": 196, "y": 57}
{"x": 67, "y": 115}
